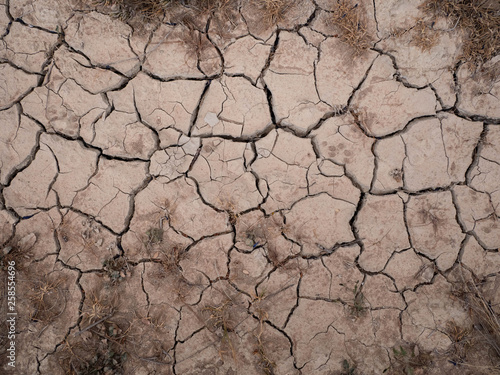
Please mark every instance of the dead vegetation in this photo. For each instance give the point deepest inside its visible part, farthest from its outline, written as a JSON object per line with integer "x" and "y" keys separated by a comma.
{"x": 98, "y": 346}
{"x": 479, "y": 20}
{"x": 475, "y": 347}
{"x": 17, "y": 250}
{"x": 156, "y": 10}
{"x": 424, "y": 36}
{"x": 97, "y": 351}
{"x": 220, "y": 322}
{"x": 350, "y": 21}
{"x": 47, "y": 299}
{"x": 187, "y": 12}
{"x": 265, "y": 363}
{"x": 116, "y": 268}
{"x": 407, "y": 359}
{"x": 274, "y": 11}
{"x": 357, "y": 307}
{"x": 347, "y": 368}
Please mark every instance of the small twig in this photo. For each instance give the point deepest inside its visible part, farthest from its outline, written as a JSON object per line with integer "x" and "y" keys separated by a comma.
{"x": 93, "y": 324}
{"x": 454, "y": 27}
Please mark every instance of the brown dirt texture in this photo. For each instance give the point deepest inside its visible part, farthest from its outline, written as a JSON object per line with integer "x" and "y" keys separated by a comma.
{"x": 249, "y": 187}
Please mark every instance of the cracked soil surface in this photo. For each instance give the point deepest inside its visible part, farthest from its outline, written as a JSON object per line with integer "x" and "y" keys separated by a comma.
{"x": 241, "y": 199}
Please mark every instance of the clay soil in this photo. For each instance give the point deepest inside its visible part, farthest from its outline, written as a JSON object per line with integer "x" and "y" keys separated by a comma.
{"x": 311, "y": 192}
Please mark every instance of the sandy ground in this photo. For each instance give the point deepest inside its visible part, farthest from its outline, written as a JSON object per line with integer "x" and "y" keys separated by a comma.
{"x": 242, "y": 199}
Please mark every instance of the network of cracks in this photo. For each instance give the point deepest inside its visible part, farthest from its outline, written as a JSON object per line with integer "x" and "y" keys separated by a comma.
{"x": 236, "y": 198}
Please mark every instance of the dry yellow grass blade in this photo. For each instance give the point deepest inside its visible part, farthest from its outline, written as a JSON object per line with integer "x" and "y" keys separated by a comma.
{"x": 479, "y": 20}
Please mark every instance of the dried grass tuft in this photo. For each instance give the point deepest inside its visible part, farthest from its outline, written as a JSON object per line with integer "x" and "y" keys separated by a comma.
{"x": 351, "y": 23}
{"x": 479, "y": 20}
{"x": 156, "y": 10}
{"x": 424, "y": 36}
{"x": 483, "y": 339}
{"x": 275, "y": 10}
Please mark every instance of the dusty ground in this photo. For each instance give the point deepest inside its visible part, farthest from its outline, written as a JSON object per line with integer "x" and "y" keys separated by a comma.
{"x": 243, "y": 199}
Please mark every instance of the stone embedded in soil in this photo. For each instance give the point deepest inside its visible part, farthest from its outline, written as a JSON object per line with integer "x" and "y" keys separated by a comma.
{"x": 338, "y": 74}
{"x": 384, "y": 105}
{"x": 27, "y": 47}
{"x": 107, "y": 197}
{"x": 340, "y": 140}
{"x": 233, "y": 107}
{"x": 222, "y": 177}
{"x": 433, "y": 228}
{"x": 18, "y": 141}
{"x": 319, "y": 222}
{"x": 380, "y": 224}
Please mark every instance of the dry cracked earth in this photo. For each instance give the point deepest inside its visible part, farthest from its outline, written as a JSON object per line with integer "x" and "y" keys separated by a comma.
{"x": 240, "y": 198}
